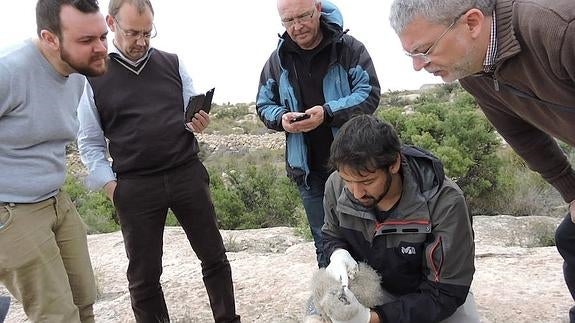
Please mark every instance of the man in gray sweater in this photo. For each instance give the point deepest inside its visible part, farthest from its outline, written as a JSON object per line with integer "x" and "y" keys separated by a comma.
{"x": 44, "y": 259}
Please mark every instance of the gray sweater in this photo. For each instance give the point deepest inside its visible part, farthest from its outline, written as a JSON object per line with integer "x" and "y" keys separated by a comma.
{"x": 37, "y": 120}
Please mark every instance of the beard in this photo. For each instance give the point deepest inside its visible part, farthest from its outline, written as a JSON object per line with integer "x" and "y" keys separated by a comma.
{"x": 466, "y": 66}
{"x": 460, "y": 71}
{"x": 369, "y": 201}
{"x": 453, "y": 72}
{"x": 85, "y": 68}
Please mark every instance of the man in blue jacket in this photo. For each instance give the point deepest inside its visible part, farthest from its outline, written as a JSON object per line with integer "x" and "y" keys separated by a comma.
{"x": 315, "y": 80}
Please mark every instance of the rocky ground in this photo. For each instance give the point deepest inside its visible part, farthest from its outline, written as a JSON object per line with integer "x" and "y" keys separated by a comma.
{"x": 272, "y": 269}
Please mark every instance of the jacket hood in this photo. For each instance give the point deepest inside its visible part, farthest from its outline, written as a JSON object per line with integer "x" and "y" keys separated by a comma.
{"x": 331, "y": 14}
{"x": 425, "y": 168}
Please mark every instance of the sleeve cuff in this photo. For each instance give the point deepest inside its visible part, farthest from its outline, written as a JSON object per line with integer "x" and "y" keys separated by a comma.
{"x": 99, "y": 177}
{"x": 565, "y": 184}
{"x": 327, "y": 114}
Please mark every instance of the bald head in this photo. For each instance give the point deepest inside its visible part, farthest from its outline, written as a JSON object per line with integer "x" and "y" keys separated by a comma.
{"x": 286, "y": 4}
{"x": 301, "y": 19}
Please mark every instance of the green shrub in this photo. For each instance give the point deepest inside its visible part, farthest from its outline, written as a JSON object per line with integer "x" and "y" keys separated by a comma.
{"x": 444, "y": 120}
{"x": 94, "y": 207}
{"x": 235, "y": 119}
{"x": 171, "y": 220}
{"x": 247, "y": 197}
{"x": 520, "y": 191}
{"x": 230, "y": 111}
{"x": 447, "y": 122}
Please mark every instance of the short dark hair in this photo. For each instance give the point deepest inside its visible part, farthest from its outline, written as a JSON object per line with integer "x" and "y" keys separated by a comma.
{"x": 365, "y": 144}
{"x": 48, "y": 13}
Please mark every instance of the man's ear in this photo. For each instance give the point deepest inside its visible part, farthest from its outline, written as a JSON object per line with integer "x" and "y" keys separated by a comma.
{"x": 110, "y": 23}
{"x": 51, "y": 39}
{"x": 474, "y": 21}
{"x": 394, "y": 168}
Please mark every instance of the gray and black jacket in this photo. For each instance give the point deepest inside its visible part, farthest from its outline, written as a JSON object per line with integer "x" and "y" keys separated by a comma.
{"x": 423, "y": 249}
{"x": 350, "y": 87}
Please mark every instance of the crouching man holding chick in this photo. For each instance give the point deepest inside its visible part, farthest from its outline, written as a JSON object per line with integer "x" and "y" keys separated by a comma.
{"x": 392, "y": 207}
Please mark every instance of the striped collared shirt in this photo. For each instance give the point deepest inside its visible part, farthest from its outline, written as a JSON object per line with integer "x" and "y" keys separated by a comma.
{"x": 489, "y": 62}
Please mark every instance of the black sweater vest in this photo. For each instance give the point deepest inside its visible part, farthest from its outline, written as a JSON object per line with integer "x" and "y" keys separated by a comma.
{"x": 142, "y": 116}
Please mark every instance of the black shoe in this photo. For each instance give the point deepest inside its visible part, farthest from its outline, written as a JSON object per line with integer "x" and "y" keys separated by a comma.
{"x": 572, "y": 314}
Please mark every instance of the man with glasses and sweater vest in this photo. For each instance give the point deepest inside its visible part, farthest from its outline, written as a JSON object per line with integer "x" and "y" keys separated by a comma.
{"x": 138, "y": 105}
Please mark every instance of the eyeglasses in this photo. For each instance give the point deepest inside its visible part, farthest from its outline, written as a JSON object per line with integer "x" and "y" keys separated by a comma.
{"x": 424, "y": 57}
{"x": 301, "y": 19}
{"x": 134, "y": 34}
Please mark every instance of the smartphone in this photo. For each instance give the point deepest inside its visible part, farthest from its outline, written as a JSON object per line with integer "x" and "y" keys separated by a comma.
{"x": 299, "y": 118}
{"x": 199, "y": 102}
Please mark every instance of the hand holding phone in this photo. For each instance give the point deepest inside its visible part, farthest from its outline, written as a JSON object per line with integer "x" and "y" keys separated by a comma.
{"x": 299, "y": 117}
{"x": 199, "y": 102}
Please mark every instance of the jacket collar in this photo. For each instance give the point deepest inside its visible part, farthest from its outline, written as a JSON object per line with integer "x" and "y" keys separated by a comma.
{"x": 507, "y": 43}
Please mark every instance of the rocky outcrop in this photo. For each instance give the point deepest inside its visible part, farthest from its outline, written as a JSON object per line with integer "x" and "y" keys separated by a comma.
{"x": 238, "y": 142}
{"x": 272, "y": 269}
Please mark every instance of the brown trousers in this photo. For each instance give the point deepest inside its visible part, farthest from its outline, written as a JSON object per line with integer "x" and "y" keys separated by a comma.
{"x": 44, "y": 260}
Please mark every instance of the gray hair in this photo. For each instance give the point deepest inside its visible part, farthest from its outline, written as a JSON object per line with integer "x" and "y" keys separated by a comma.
{"x": 115, "y": 5}
{"x": 435, "y": 11}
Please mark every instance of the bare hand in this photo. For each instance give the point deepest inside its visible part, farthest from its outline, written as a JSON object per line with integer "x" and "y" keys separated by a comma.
{"x": 315, "y": 119}
{"x": 109, "y": 189}
{"x": 200, "y": 122}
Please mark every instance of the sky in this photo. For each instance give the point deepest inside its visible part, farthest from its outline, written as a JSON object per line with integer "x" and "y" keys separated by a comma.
{"x": 225, "y": 43}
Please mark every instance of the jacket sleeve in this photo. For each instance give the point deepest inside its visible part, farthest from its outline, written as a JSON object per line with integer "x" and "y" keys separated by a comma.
{"x": 568, "y": 51}
{"x": 364, "y": 86}
{"x": 269, "y": 107}
{"x": 332, "y": 238}
{"x": 539, "y": 150}
{"x": 449, "y": 265}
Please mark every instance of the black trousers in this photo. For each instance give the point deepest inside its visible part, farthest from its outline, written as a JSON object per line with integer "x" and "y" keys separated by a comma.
{"x": 142, "y": 203}
{"x": 565, "y": 242}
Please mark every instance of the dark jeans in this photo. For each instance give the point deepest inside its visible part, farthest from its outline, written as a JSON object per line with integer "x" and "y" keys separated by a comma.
{"x": 142, "y": 204}
{"x": 312, "y": 198}
{"x": 565, "y": 242}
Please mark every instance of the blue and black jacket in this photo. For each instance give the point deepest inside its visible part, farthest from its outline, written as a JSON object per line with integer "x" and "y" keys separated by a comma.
{"x": 350, "y": 87}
